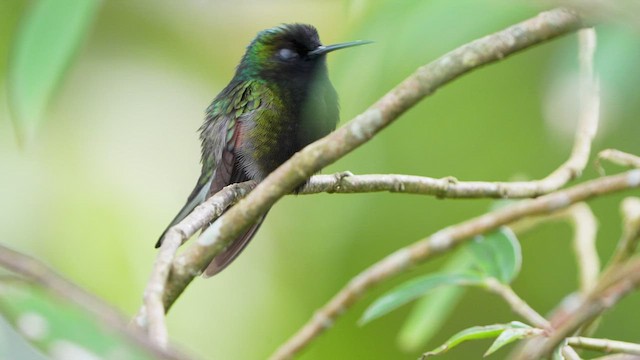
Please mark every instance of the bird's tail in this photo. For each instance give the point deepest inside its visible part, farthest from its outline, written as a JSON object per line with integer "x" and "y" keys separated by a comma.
{"x": 222, "y": 260}
{"x": 197, "y": 196}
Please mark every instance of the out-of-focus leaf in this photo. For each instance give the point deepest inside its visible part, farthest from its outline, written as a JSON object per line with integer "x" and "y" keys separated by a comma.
{"x": 508, "y": 336}
{"x": 615, "y": 64}
{"x": 49, "y": 35}
{"x": 430, "y": 312}
{"x": 475, "y": 333}
{"x": 498, "y": 254}
{"x": 412, "y": 290}
{"x": 61, "y": 329}
{"x": 15, "y": 346}
{"x": 616, "y": 60}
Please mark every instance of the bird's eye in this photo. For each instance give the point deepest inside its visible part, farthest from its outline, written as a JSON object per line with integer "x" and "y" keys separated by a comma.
{"x": 287, "y": 54}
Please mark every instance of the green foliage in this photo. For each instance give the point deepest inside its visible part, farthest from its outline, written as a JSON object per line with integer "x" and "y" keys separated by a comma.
{"x": 121, "y": 149}
{"x": 414, "y": 289}
{"x": 616, "y": 62}
{"x": 49, "y": 35}
{"x": 429, "y": 313}
{"x": 498, "y": 254}
{"x": 481, "y": 332}
{"x": 59, "y": 328}
{"x": 510, "y": 335}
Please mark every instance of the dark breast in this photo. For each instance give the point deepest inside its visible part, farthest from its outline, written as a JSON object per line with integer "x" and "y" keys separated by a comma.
{"x": 285, "y": 124}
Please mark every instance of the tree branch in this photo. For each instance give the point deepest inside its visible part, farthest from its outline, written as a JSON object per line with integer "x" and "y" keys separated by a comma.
{"x": 35, "y": 271}
{"x": 584, "y": 245}
{"x": 585, "y": 227}
{"x": 151, "y": 315}
{"x": 605, "y": 295}
{"x": 630, "y": 209}
{"x": 449, "y": 238}
{"x": 443, "y": 241}
{"x": 604, "y": 345}
{"x": 314, "y": 157}
{"x": 617, "y": 157}
{"x": 302, "y": 165}
{"x": 618, "y": 357}
{"x": 517, "y": 304}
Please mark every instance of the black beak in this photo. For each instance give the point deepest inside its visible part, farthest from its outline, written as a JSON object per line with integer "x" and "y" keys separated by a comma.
{"x": 321, "y": 50}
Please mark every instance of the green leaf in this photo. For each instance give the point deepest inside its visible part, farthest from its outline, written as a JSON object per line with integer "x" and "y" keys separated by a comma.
{"x": 510, "y": 335}
{"x": 430, "y": 312}
{"x": 15, "y": 346}
{"x": 59, "y": 328}
{"x": 49, "y": 34}
{"x": 412, "y": 290}
{"x": 475, "y": 333}
{"x": 498, "y": 254}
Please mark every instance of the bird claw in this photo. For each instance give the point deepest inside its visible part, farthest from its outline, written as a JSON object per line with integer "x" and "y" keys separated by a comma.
{"x": 343, "y": 174}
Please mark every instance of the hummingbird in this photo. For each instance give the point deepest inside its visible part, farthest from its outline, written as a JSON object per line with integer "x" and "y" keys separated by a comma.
{"x": 279, "y": 100}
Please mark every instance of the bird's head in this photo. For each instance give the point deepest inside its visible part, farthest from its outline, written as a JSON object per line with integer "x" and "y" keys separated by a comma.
{"x": 288, "y": 50}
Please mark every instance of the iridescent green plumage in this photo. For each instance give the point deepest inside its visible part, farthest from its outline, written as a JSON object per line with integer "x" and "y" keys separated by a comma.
{"x": 279, "y": 101}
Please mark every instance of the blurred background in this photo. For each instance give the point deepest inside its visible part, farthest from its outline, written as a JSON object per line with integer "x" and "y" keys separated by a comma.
{"x": 117, "y": 153}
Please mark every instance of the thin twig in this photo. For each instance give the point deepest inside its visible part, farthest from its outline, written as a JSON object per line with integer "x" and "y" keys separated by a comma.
{"x": 569, "y": 353}
{"x": 152, "y": 312}
{"x": 618, "y": 357}
{"x": 630, "y": 209}
{"x": 585, "y": 223}
{"x": 151, "y": 315}
{"x": 35, "y": 271}
{"x": 606, "y": 294}
{"x": 443, "y": 241}
{"x": 625, "y": 12}
{"x": 450, "y": 187}
{"x": 517, "y": 304}
{"x": 585, "y": 227}
{"x": 617, "y": 157}
{"x": 604, "y": 345}
{"x": 520, "y": 307}
{"x": 325, "y": 151}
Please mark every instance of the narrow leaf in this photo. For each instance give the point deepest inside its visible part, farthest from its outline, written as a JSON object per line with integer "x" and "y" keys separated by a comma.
{"x": 475, "y": 333}
{"x": 49, "y": 35}
{"x": 412, "y": 290}
{"x": 431, "y": 311}
{"x": 510, "y": 335}
{"x": 498, "y": 254}
{"x": 59, "y": 328}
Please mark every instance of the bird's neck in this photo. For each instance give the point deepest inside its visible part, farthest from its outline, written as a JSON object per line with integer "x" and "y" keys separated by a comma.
{"x": 296, "y": 90}
{"x": 293, "y": 86}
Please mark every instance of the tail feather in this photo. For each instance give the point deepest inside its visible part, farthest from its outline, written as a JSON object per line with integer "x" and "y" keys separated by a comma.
{"x": 222, "y": 260}
{"x": 196, "y": 198}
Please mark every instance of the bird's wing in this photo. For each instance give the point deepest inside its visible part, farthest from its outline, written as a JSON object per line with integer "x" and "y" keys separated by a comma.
{"x": 220, "y": 135}
{"x": 249, "y": 106}
{"x": 223, "y": 139}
